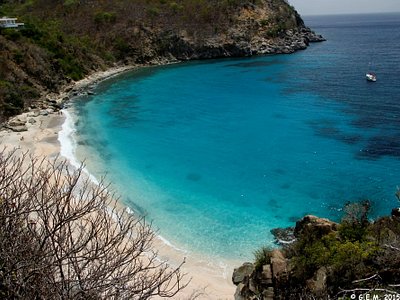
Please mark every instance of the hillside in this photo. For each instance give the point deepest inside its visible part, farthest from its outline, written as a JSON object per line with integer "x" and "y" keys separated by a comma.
{"x": 66, "y": 40}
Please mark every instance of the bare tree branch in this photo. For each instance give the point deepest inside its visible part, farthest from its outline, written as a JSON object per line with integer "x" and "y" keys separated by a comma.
{"x": 64, "y": 237}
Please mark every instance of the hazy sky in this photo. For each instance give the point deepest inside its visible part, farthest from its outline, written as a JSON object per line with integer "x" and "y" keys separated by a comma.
{"x": 326, "y": 7}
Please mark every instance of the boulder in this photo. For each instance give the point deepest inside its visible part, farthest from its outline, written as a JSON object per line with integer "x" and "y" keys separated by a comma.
{"x": 278, "y": 264}
{"x": 240, "y": 291}
{"x": 268, "y": 294}
{"x": 18, "y": 128}
{"x": 16, "y": 122}
{"x": 252, "y": 286}
{"x": 266, "y": 275}
{"x": 317, "y": 227}
{"x": 396, "y": 212}
{"x": 317, "y": 285}
{"x": 34, "y": 113}
{"x": 244, "y": 271}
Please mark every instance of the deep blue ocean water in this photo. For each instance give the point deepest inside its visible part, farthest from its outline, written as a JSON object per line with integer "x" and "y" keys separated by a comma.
{"x": 219, "y": 152}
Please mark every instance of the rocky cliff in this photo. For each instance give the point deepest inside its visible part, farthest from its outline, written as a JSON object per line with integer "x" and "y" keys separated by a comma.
{"x": 67, "y": 40}
{"x": 327, "y": 260}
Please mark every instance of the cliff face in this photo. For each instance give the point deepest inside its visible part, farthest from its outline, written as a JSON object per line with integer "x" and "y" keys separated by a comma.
{"x": 271, "y": 27}
{"x": 327, "y": 260}
{"x": 66, "y": 40}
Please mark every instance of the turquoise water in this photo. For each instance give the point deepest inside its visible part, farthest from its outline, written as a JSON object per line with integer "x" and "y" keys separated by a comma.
{"x": 219, "y": 152}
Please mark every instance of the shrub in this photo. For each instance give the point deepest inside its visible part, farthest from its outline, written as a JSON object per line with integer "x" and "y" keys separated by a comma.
{"x": 349, "y": 231}
{"x": 18, "y": 56}
{"x": 105, "y": 17}
{"x": 262, "y": 257}
{"x": 175, "y": 7}
{"x": 71, "y": 68}
{"x": 11, "y": 34}
{"x": 153, "y": 12}
{"x": 31, "y": 31}
{"x": 69, "y": 3}
{"x": 64, "y": 238}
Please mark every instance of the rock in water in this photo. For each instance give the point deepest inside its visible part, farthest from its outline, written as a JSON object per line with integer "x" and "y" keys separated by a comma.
{"x": 396, "y": 212}
{"x": 283, "y": 236}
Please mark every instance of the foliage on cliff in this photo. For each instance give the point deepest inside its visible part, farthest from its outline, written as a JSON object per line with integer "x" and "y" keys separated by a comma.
{"x": 331, "y": 261}
{"x": 359, "y": 256}
{"x": 64, "y": 40}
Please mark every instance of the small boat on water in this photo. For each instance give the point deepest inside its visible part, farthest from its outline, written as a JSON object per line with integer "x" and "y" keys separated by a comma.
{"x": 370, "y": 76}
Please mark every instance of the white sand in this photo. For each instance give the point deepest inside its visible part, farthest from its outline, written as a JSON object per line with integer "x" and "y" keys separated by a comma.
{"x": 209, "y": 280}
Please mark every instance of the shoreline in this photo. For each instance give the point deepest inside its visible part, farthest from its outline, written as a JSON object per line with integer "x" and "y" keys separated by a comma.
{"x": 46, "y": 135}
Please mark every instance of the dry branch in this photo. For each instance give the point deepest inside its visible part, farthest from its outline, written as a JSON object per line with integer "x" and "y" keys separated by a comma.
{"x": 63, "y": 237}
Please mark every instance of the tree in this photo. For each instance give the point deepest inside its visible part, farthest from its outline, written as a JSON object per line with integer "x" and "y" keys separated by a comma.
{"x": 62, "y": 237}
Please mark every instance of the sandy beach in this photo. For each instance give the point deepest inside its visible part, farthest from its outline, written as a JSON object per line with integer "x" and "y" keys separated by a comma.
{"x": 209, "y": 280}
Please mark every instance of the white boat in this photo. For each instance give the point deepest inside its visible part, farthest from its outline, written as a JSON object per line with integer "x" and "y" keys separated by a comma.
{"x": 370, "y": 77}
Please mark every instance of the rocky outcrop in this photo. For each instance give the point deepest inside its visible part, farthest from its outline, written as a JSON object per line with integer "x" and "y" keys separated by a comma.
{"x": 328, "y": 260}
{"x": 261, "y": 283}
{"x": 314, "y": 226}
{"x": 242, "y": 273}
{"x": 317, "y": 285}
{"x": 256, "y": 29}
{"x": 274, "y": 280}
{"x": 33, "y": 66}
{"x": 36, "y": 64}
{"x": 17, "y": 124}
{"x": 284, "y": 236}
{"x": 396, "y": 212}
{"x": 183, "y": 48}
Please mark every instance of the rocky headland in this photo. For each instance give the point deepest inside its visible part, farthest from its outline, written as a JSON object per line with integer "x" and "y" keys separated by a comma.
{"x": 326, "y": 260}
{"x": 65, "y": 41}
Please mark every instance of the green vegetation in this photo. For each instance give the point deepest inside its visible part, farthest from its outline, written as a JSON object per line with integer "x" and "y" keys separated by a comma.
{"x": 65, "y": 40}
{"x": 104, "y": 17}
{"x": 348, "y": 253}
{"x": 262, "y": 257}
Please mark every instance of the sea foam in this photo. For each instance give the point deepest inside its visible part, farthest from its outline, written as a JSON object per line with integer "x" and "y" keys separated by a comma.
{"x": 68, "y": 145}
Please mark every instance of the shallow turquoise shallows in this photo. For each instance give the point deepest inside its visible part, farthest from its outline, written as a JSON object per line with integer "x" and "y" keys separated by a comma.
{"x": 217, "y": 153}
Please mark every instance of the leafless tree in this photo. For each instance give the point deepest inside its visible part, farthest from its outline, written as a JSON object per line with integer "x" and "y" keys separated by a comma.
{"x": 63, "y": 237}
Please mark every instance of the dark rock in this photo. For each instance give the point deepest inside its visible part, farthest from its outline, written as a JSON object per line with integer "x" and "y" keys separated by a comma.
{"x": 57, "y": 106}
{"x": 396, "y": 212}
{"x": 284, "y": 236}
{"x": 244, "y": 271}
